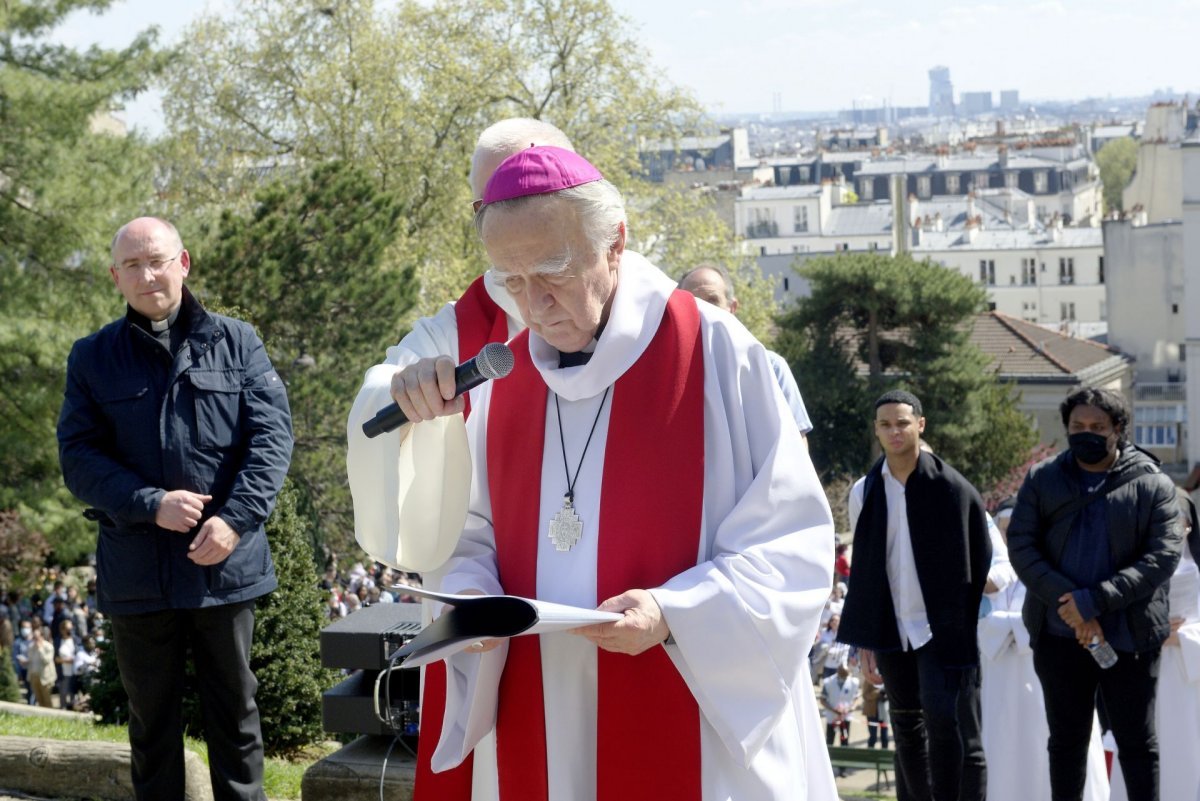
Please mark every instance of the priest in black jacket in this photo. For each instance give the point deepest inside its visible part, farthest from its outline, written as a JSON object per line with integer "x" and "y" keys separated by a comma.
{"x": 920, "y": 561}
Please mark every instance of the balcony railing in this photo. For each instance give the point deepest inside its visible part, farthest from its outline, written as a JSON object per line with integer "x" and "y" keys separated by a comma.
{"x": 1171, "y": 392}
{"x": 762, "y": 229}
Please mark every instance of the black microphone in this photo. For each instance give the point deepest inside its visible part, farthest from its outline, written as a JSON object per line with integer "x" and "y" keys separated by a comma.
{"x": 494, "y": 361}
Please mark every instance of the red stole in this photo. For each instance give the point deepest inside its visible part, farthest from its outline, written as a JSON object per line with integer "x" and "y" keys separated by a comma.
{"x": 650, "y": 516}
{"x": 479, "y": 321}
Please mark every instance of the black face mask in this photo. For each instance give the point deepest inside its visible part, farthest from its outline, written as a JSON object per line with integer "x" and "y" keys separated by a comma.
{"x": 1088, "y": 448}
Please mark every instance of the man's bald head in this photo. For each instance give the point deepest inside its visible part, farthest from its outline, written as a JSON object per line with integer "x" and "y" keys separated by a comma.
{"x": 505, "y": 138}
{"x": 142, "y": 227}
{"x": 712, "y": 284}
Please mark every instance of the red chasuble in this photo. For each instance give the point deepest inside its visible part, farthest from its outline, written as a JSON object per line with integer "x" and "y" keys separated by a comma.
{"x": 480, "y": 321}
{"x": 649, "y": 528}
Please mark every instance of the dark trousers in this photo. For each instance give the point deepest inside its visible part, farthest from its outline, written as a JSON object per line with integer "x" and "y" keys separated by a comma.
{"x": 151, "y": 652}
{"x": 1070, "y": 678}
{"x": 877, "y": 730}
{"x": 935, "y": 715}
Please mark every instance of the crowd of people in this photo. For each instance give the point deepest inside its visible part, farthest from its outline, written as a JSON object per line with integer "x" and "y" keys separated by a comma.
{"x": 56, "y": 639}
{"x": 360, "y": 586}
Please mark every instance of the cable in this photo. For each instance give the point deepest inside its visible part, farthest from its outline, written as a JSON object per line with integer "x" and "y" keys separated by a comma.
{"x": 383, "y": 773}
{"x": 397, "y": 726}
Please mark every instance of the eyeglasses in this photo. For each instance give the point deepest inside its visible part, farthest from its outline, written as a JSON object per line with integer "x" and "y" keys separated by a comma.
{"x": 155, "y": 266}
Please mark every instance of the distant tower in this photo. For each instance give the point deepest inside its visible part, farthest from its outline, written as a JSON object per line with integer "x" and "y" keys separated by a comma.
{"x": 941, "y": 93}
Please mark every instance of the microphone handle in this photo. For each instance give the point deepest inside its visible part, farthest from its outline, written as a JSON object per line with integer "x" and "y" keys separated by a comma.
{"x": 391, "y": 417}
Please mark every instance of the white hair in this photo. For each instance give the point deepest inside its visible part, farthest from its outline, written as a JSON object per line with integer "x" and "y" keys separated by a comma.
{"x": 513, "y": 135}
{"x": 599, "y": 204}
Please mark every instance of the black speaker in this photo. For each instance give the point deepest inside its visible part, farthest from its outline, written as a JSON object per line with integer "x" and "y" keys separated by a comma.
{"x": 372, "y": 699}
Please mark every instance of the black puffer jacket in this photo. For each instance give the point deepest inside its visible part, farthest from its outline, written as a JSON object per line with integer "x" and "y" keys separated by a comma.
{"x": 1144, "y": 535}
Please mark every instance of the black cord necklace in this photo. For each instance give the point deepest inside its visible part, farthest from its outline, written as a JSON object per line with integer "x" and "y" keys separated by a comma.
{"x": 566, "y": 527}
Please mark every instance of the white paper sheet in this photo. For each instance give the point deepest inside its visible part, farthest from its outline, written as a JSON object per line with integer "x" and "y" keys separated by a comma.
{"x": 533, "y": 617}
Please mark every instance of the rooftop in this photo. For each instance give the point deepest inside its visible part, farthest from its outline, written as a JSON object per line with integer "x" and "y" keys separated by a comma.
{"x": 1020, "y": 349}
{"x": 1011, "y": 238}
{"x": 792, "y": 192}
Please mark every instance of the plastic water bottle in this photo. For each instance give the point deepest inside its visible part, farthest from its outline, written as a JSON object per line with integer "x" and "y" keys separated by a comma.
{"x": 1103, "y": 653}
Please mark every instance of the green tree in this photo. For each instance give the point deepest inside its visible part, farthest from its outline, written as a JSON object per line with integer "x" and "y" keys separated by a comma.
{"x": 10, "y": 688}
{"x": 65, "y": 185}
{"x": 1117, "y": 161}
{"x": 876, "y": 322}
{"x": 404, "y": 90}
{"x": 305, "y": 265}
{"x": 285, "y": 657}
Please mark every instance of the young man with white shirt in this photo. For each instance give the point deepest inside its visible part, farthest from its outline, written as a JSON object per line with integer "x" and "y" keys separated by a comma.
{"x": 919, "y": 574}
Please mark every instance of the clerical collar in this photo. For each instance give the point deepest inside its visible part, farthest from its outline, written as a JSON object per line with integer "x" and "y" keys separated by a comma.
{"x": 158, "y": 326}
{"x": 577, "y": 358}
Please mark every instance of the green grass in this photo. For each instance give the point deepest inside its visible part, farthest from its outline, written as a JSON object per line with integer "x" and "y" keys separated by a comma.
{"x": 281, "y": 777}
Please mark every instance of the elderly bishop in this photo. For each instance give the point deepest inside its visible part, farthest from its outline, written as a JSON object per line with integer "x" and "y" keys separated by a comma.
{"x": 641, "y": 459}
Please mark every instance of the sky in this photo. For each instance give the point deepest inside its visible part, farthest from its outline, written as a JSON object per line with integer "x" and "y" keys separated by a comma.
{"x": 744, "y": 56}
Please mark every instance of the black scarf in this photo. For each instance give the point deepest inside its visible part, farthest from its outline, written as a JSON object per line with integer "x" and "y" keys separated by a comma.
{"x": 952, "y": 551}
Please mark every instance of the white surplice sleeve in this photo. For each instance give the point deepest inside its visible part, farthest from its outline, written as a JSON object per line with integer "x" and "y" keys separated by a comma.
{"x": 743, "y": 617}
{"x": 1001, "y": 572}
{"x": 472, "y": 680}
{"x": 404, "y": 516}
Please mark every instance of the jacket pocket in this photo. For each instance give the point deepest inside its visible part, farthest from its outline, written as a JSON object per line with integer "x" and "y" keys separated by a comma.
{"x": 246, "y": 566}
{"x": 217, "y": 395}
{"x": 128, "y": 406}
{"x": 128, "y": 566}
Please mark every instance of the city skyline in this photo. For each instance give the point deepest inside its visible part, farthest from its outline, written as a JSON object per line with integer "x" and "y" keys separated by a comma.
{"x": 1044, "y": 49}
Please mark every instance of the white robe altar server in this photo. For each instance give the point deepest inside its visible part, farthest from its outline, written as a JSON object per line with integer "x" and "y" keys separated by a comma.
{"x": 669, "y": 455}
{"x": 1177, "y": 707}
{"x": 1014, "y": 716}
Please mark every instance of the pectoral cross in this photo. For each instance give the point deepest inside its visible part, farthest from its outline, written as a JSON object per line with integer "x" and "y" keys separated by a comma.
{"x": 566, "y": 528}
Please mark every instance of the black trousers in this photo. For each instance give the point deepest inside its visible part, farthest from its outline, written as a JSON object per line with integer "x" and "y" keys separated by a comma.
{"x": 151, "y": 652}
{"x": 936, "y": 724}
{"x": 1070, "y": 678}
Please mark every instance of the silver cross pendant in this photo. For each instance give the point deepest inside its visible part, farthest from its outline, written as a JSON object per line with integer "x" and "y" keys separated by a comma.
{"x": 566, "y": 528}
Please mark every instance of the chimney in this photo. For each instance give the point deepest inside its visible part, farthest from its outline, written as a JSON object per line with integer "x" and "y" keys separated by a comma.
{"x": 972, "y": 229}
{"x": 939, "y": 225}
{"x": 971, "y": 205}
{"x": 900, "y": 215}
{"x": 914, "y": 207}
{"x": 1003, "y": 153}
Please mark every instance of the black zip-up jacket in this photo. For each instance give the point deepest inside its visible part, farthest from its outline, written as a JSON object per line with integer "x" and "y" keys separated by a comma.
{"x": 137, "y": 422}
{"x": 1144, "y": 537}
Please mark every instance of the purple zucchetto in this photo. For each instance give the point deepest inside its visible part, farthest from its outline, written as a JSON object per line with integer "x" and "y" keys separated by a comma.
{"x": 538, "y": 171}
